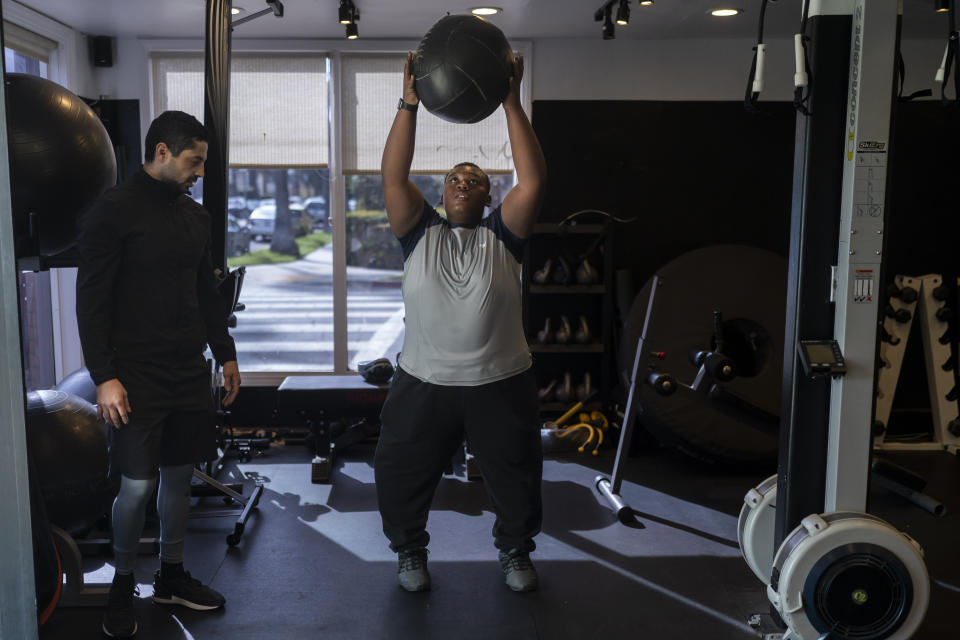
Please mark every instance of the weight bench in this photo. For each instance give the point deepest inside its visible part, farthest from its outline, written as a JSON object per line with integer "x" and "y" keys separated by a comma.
{"x": 316, "y": 402}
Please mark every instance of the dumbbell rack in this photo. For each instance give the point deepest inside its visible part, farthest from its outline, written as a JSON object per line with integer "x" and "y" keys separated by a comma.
{"x": 552, "y": 300}
{"x": 926, "y": 296}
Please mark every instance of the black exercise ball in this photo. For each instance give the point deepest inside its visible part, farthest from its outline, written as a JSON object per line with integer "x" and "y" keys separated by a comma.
{"x": 68, "y": 445}
{"x": 61, "y": 159}
{"x": 79, "y": 383}
{"x": 462, "y": 68}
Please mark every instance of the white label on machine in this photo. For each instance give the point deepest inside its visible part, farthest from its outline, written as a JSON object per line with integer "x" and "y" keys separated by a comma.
{"x": 863, "y": 286}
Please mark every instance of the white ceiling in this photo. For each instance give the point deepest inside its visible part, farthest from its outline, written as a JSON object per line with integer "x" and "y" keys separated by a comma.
{"x": 410, "y": 19}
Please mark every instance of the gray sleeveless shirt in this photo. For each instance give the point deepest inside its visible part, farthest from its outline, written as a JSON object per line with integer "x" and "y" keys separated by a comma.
{"x": 461, "y": 292}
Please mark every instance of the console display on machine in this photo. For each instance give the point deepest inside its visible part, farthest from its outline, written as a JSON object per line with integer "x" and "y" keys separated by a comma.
{"x": 821, "y": 357}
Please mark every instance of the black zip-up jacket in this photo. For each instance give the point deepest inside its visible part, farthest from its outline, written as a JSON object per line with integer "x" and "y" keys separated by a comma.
{"x": 146, "y": 289}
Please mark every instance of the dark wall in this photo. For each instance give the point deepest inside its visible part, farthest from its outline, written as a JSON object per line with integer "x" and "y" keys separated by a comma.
{"x": 691, "y": 173}
{"x": 121, "y": 118}
{"x": 923, "y": 224}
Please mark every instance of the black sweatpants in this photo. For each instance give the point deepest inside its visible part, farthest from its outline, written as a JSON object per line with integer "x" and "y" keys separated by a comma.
{"x": 422, "y": 424}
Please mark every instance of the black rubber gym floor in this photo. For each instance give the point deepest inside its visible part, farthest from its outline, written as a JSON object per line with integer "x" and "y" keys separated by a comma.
{"x": 313, "y": 562}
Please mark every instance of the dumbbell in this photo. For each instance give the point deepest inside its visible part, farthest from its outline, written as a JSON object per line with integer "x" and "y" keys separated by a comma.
{"x": 900, "y": 315}
{"x": 907, "y": 294}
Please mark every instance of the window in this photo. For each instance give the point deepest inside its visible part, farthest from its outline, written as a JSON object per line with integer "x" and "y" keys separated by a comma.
{"x": 280, "y": 151}
{"x": 371, "y": 84}
{"x": 278, "y": 144}
{"x": 27, "y": 52}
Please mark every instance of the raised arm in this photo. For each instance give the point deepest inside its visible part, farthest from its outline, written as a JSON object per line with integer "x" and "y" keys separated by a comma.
{"x": 403, "y": 199}
{"x": 521, "y": 206}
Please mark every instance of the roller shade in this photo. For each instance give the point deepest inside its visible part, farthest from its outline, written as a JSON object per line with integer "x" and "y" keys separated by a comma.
{"x": 278, "y": 105}
{"x": 372, "y": 85}
{"x": 27, "y": 42}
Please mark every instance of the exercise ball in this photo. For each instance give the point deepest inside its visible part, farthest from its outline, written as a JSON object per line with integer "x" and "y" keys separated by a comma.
{"x": 739, "y": 423}
{"x": 68, "y": 445}
{"x": 61, "y": 159}
{"x": 462, "y": 68}
{"x": 80, "y": 384}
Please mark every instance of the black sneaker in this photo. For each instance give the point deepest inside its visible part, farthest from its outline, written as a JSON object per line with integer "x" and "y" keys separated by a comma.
{"x": 118, "y": 618}
{"x": 185, "y": 590}
{"x": 412, "y": 573}
{"x": 518, "y": 570}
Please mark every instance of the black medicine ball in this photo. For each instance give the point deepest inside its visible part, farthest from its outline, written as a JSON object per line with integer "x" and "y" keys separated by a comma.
{"x": 462, "y": 68}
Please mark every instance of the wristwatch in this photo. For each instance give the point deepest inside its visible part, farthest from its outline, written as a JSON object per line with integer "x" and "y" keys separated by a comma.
{"x": 407, "y": 106}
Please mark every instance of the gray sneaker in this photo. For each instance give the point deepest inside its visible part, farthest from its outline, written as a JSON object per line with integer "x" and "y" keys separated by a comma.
{"x": 518, "y": 570}
{"x": 413, "y": 574}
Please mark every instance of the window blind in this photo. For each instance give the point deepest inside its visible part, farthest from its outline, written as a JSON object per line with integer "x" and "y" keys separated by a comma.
{"x": 371, "y": 86}
{"x": 278, "y": 105}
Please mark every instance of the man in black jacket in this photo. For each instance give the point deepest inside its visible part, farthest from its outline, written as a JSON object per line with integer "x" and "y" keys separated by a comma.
{"x": 147, "y": 306}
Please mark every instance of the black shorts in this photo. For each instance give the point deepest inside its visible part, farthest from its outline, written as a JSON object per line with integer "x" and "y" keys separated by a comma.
{"x": 162, "y": 438}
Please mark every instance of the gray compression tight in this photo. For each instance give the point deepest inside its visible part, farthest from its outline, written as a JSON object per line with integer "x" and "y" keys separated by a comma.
{"x": 129, "y": 511}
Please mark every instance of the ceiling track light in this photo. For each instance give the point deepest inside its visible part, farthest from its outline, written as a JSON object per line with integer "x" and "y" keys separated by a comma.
{"x": 349, "y": 15}
{"x": 942, "y": 6}
{"x": 347, "y": 12}
{"x": 609, "y": 32}
{"x": 623, "y": 13}
{"x": 605, "y": 14}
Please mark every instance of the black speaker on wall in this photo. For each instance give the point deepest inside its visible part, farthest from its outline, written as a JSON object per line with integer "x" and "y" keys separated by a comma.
{"x": 101, "y": 50}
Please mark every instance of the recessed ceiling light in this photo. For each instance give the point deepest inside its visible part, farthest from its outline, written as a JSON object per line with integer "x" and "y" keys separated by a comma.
{"x": 485, "y": 11}
{"x": 725, "y": 13}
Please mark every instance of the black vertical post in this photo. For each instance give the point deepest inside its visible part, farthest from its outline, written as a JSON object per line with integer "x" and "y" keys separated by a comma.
{"x": 814, "y": 239}
{"x": 216, "y": 119}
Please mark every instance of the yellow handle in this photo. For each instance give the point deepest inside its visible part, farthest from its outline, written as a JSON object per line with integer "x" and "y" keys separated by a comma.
{"x": 569, "y": 413}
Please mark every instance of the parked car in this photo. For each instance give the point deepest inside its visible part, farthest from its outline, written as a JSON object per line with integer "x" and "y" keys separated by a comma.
{"x": 316, "y": 208}
{"x": 238, "y": 237}
{"x": 263, "y": 218}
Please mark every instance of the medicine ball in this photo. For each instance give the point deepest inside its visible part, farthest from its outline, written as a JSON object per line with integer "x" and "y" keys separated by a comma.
{"x": 462, "y": 68}
{"x": 68, "y": 445}
{"x": 61, "y": 159}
